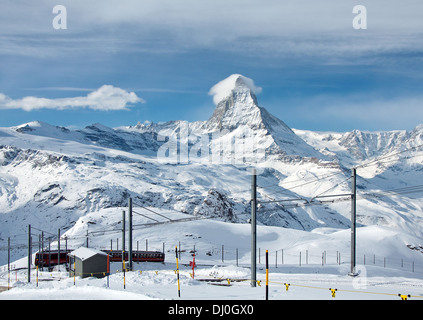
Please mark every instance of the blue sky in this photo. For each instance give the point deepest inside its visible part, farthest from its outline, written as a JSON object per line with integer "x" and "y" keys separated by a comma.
{"x": 121, "y": 62}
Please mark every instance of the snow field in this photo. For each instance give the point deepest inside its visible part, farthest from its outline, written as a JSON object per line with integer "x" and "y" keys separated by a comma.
{"x": 159, "y": 282}
{"x": 310, "y": 281}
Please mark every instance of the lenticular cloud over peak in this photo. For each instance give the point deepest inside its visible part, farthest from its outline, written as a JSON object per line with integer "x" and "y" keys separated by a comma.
{"x": 225, "y": 87}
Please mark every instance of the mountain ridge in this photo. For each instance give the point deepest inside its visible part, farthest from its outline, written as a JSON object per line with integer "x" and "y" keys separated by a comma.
{"x": 55, "y": 176}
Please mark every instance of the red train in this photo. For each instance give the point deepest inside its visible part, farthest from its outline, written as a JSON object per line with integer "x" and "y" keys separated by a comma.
{"x": 50, "y": 259}
{"x": 137, "y": 256}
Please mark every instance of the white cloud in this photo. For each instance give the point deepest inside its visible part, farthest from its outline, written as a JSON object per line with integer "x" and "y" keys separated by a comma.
{"x": 105, "y": 98}
{"x": 167, "y": 25}
{"x": 224, "y": 88}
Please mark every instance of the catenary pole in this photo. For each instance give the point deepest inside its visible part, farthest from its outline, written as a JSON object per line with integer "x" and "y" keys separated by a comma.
{"x": 49, "y": 253}
{"x": 130, "y": 233}
{"x": 123, "y": 239}
{"x": 8, "y": 263}
{"x": 66, "y": 251}
{"x": 42, "y": 247}
{"x": 253, "y": 228}
{"x": 58, "y": 249}
{"x": 353, "y": 220}
{"x": 29, "y": 253}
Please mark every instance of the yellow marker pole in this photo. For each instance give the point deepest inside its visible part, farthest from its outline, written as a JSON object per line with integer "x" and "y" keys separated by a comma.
{"x": 177, "y": 271}
{"x": 124, "y": 283}
{"x": 267, "y": 275}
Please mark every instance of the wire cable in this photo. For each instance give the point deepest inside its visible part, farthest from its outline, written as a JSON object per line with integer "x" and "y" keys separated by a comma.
{"x": 377, "y": 160}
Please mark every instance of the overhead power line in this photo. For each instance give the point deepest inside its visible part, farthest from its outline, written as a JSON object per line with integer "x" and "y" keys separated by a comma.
{"x": 152, "y": 211}
{"x": 143, "y": 215}
{"x": 315, "y": 179}
{"x": 383, "y": 157}
{"x": 398, "y": 191}
{"x": 343, "y": 198}
{"x": 331, "y": 188}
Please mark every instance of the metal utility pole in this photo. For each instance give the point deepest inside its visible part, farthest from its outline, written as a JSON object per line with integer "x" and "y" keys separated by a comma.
{"x": 29, "y": 252}
{"x": 66, "y": 250}
{"x": 130, "y": 233}
{"x": 123, "y": 239}
{"x": 253, "y": 228}
{"x": 49, "y": 253}
{"x": 58, "y": 249}
{"x": 42, "y": 245}
{"x": 8, "y": 263}
{"x": 353, "y": 221}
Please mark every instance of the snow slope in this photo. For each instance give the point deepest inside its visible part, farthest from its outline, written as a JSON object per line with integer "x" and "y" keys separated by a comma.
{"x": 383, "y": 276}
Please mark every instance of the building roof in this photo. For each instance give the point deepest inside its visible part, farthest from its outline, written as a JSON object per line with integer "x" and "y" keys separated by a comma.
{"x": 85, "y": 253}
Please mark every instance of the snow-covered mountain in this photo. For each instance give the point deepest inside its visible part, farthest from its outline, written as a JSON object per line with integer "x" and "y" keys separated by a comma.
{"x": 53, "y": 177}
{"x": 358, "y": 146}
{"x": 237, "y": 120}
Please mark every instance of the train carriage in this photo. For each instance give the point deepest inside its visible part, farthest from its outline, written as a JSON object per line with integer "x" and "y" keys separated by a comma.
{"x": 51, "y": 258}
{"x": 137, "y": 256}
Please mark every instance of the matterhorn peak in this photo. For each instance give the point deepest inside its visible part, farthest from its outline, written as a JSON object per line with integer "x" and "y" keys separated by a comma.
{"x": 237, "y": 109}
{"x": 236, "y": 103}
{"x": 233, "y": 83}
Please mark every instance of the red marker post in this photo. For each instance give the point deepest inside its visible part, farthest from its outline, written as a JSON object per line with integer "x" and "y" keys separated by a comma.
{"x": 192, "y": 264}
